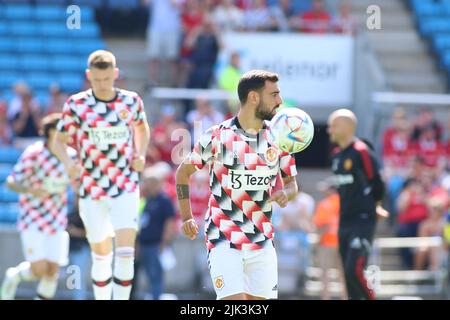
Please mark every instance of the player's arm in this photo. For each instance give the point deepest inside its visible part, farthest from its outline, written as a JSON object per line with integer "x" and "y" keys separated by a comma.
{"x": 60, "y": 149}
{"x": 18, "y": 187}
{"x": 184, "y": 172}
{"x": 141, "y": 141}
{"x": 373, "y": 175}
{"x": 288, "y": 193}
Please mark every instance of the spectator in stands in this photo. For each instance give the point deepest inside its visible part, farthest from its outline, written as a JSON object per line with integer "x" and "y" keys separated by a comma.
{"x": 192, "y": 18}
{"x": 26, "y": 122}
{"x": 424, "y": 120}
{"x": 431, "y": 150}
{"x": 413, "y": 210}
{"x": 258, "y": 17}
{"x": 228, "y": 17}
{"x": 344, "y": 22}
{"x": 56, "y": 99}
{"x": 163, "y": 40}
{"x": 316, "y": 20}
{"x": 229, "y": 80}
{"x": 205, "y": 44}
{"x": 161, "y": 134}
{"x": 398, "y": 151}
{"x": 79, "y": 252}
{"x": 156, "y": 230}
{"x": 204, "y": 116}
{"x": 433, "y": 226}
{"x": 284, "y": 14}
{"x": 21, "y": 90}
{"x": 326, "y": 220}
{"x": 5, "y": 129}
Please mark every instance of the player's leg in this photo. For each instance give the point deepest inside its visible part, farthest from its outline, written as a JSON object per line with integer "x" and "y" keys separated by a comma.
{"x": 124, "y": 263}
{"x": 261, "y": 273}
{"x": 344, "y": 249}
{"x": 149, "y": 257}
{"x": 99, "y": 233}
{"x": 48, "y": 282}
{"x": 356, "y": 262}
{"x": 226, "y": 268}
{"x": 123, "y": 212}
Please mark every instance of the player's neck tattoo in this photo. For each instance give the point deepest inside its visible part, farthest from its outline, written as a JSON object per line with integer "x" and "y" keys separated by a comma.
{"x": 182, "y": 191}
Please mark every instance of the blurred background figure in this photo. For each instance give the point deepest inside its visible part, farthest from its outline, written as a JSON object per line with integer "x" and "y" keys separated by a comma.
{"x": 326, "y": 221}
{"x": 413, "y": 210}
{"x": 204, "y": 115}
{"x": 229, "y": 80}
{"x": 26, "y": 122}
{"x": 227, "y": 16}
{"x": 204, "y": 43}
{"x": 316, "y": 20}
{"x": 157, "y": 229}
{"x": 283, "y": 13}
{"x": 163, "y": 40}
{"x": 343, "y": 22}
{"x": 56, "y": 99}
{"x": 258, "y": 17}
{"x": 5, "y": 129}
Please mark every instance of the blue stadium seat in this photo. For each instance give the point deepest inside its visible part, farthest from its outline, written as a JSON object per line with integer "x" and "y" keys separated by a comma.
{"x": 3, "y": 29}
{"x": 48, "y": 13}
{"x": 8, "y": 62}
{"x": 90, "y": 3}
{"x": 29, "y": 45}
{"x": 87, "y": 30}
{"x": 441, "y": 42}
{"x": 7, "y": 79}
{"x": 9, "y": 212}
{"x": 40, "y": 80}
{"x": 71, "y": 82}
{"x": 56, "y": 46}
{"x": 27, "y": 29}
{"x": 424, "y": 9}
{"x": 9, "y": 155}
{"x": 5, "y": 171}
{"x": 85, "y": 47}
{"x": 119, "y": 4}
{"x": 18, "y": 12}
{"x": 446, "y": 59}
{"x": 7, "y": 195}
{"x": 6, "y": 44}
{"x": 428, "y": 26}
{"x": 34, "y": 62}
{"x": 53, "y": 29}
{"x": 70, "y": 63}
{"x": 55, "y": 2}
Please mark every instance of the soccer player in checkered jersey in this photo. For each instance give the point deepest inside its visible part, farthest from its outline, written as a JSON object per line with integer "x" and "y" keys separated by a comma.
{"x": 42, "y": 182}
{"x": 243, "y": 168}
{"x": 109, "y": 128}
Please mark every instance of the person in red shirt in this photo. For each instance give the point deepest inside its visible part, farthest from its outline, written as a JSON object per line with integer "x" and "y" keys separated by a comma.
{"x": 431, "y": 150}
{"x": 413, "y": 210}
{"x": 316, "y": 20}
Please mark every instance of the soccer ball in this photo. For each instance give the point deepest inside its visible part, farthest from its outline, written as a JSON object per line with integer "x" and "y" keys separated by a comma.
{"x": 291, "y": 130}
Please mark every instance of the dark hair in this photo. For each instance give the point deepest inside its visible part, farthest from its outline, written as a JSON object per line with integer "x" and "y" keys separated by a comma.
{"x": 49, "y": 122}
{"x": 253, "y": 81}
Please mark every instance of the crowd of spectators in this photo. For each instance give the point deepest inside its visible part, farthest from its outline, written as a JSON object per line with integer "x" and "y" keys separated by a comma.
{"x": 416, "y": 157}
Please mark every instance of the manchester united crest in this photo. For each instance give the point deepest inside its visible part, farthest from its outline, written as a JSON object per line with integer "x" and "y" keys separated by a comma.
{"x": 271, "y": 155}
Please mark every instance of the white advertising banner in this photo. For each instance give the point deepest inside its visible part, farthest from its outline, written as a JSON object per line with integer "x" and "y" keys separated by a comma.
{"x": 314, "y": 70}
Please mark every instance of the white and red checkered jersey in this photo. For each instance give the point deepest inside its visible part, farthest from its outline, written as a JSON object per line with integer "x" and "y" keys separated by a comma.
{"x": 243, "y": 172}
{"x": 102, "y": 132}
{"x": 37, "y": 167}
